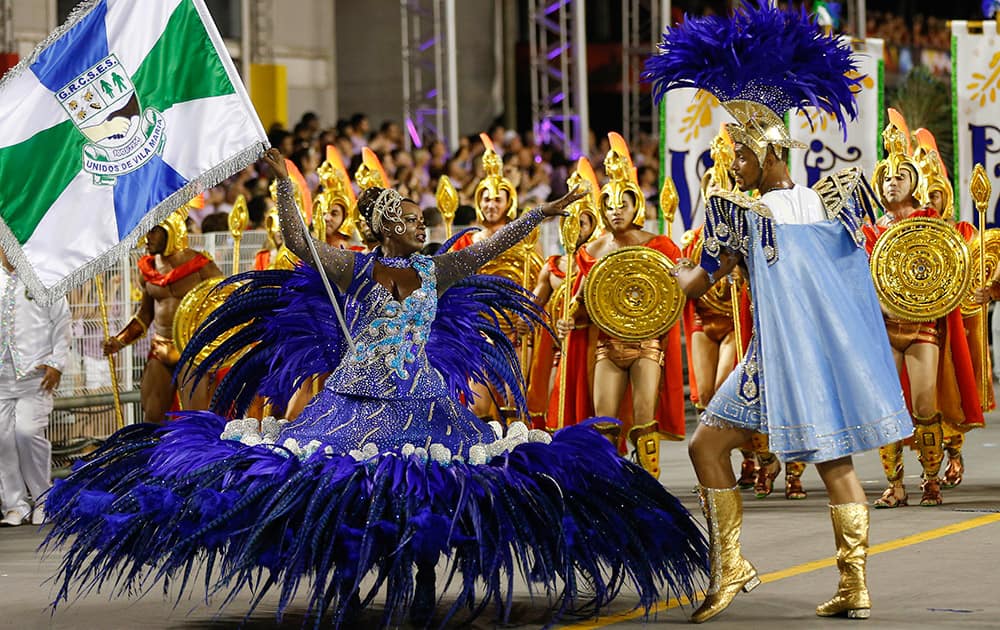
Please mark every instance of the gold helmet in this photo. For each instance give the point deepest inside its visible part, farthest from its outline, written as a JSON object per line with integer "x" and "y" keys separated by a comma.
{"x": 494, "y": 181}
{"x": 272, "y": 226}
{"x": 300, "y": 190}
{"x": 757, "y": 127}
{"x": 370, "y": 173}
{"x": 935, "y": 175}
{"x": 896, "y": 139}
{"x": 621, "y": 179}
{"x": 336, "y": 191}
{"x": 175, "y": 226}
{"x": 584, "y": 179}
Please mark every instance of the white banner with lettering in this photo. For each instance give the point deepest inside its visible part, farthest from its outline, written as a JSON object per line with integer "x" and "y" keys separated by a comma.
{"x": 690, "y": 118}
{"x": 975, "y": 84}
{"x": 828, "y": 150}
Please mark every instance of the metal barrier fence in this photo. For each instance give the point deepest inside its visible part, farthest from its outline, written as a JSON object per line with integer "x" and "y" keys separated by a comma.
{"x": 84, "y": 407}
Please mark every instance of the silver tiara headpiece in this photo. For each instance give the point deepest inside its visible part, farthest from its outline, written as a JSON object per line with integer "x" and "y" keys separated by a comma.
{"x": 388, "y": 208}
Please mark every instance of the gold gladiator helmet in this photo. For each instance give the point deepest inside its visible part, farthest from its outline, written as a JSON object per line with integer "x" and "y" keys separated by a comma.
{"x": 933, "y": 172}
{"x": 370, "y": 173}
{"x": 272, "y": 226}
{"x": 584, "y": 179}
{"x": 175, "y": 226}
{"x": 336, "y": 191}
{"x": 758, "y": 126}
{"x": 494, "y": 181}
{"x": 621, "y": 179}
{"x": 896, "y": 139}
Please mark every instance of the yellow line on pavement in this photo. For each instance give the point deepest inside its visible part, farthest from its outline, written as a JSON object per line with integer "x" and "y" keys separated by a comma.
{"x": 799, "y": 569}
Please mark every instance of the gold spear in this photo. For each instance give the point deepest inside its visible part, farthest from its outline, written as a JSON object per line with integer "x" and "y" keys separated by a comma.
{"x": 669, "y": 200}
{"x": 569, "y": 235}
{"x": 447, "y": 201}
{"x": 239, "y": 216}
{"x": 99, "y": 287}
{"x": 981, "y": 190}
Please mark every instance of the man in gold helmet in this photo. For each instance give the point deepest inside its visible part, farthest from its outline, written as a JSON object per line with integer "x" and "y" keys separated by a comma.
{"x": 169, "y": 270}
{"x": 496, "y": 205}
{"x": 495, "y": 198}
{"x": 931, "y": 356}
{"x": 545, "y": 357}
{"x": 651, "y": 367}
{"x": 936, "y": 192}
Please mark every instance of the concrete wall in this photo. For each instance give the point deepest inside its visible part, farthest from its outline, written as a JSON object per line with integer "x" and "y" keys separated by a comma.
{"x": 369, "y": 61}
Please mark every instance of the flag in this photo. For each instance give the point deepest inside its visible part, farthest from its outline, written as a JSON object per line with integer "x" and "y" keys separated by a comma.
{"x": 122, "y": 115}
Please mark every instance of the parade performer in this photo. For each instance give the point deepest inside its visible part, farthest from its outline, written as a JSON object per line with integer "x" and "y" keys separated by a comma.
{"x": 495, "y": 199}
{"x": 169, "y": 270}
{"x": 335, "y": 204}
{"x": 651, "y": 368}
{"x": 938, "y": 193}
{"x": 932, "y": 357}
{"x": 804, "y": 380}
{"x": 384, "y": 470}
{"x": 275, "y": 254}
{"x": 548, "y": 294}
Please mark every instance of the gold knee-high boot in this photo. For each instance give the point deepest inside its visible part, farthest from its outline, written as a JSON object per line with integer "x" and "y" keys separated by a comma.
{"x": 730, "y": 571}
{"x": 850, "y": 530}
{"x": 646, "y": 440}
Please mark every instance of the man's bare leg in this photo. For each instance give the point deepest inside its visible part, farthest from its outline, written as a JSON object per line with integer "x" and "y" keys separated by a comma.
{"x": 156, "y": 391}
{"x": 645, "y": 376}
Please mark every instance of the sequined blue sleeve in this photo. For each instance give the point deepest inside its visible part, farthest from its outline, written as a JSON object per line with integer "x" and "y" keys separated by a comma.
{"x": 338, "y": 263}
{"x": 454, "y": 266}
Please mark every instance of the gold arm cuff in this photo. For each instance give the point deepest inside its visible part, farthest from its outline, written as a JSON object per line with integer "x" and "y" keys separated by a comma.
{"x": 134, "y": 330}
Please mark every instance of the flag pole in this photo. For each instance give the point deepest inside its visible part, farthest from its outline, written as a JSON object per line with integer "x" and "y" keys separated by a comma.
{"x": 99, "y": 286}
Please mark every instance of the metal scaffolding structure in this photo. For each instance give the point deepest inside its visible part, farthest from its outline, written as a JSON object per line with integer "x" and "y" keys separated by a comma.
{"x": 642, "y": 23}
{"x": 430, "y": 74}
{"x": 559, "y": 109}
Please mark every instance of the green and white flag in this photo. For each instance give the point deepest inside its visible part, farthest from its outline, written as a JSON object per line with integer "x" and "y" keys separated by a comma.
{"x": 118, "y": 118}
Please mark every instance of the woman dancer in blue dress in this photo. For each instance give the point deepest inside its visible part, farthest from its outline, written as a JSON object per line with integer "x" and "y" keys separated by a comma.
{"x": 384, "y": 472}
{"x": 818, "y": 377}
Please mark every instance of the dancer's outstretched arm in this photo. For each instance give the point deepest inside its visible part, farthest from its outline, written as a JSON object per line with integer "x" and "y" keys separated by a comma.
{"x": 454, "y": 266}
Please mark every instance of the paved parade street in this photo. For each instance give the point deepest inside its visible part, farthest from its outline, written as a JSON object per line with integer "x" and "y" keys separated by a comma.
{"x": 930, "y": 567}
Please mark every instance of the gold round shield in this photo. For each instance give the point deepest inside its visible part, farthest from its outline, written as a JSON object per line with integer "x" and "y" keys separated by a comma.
{"x": 631, "y": 295}
{"x": 992, "y": 246}
{"x": 920, "y": 267}
{"x": 194, "y": 309}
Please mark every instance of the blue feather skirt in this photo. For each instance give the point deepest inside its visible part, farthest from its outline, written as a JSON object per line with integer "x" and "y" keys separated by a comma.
{"x": 163, "y": 503}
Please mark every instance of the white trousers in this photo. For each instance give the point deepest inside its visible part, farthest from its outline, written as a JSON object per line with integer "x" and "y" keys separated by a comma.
{"x": 25, "y": 454}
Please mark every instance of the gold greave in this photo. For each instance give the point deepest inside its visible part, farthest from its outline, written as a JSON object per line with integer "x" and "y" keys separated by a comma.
{"x": 760, "y": 442}
{"x": 892, "y": 462}
{"x": 795, "y": 469}
{"x": 610, "y": 430}
{"x": 730, "y": 571}
{"x": 953, "y": 442}
{"x": 646, "y": 441}
{"x": 929, "y": 438}
{"x": 850, "y": 530}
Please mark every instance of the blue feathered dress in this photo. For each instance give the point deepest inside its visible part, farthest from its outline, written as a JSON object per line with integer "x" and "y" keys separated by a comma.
{"x": 384, "y": 470}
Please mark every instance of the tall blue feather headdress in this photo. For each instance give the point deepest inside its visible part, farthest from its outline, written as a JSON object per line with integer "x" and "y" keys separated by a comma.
{"x": 760, "y": 56}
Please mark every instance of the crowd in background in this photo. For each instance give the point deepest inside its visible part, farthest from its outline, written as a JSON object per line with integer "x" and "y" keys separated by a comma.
{"x": 538, "y": 171}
